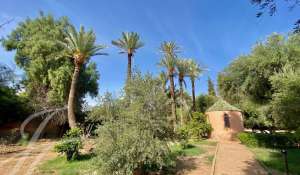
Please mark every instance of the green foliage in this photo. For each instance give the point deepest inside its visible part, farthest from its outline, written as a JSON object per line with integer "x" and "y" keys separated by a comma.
{"x": 197, "y": 127}
{"x": 195, "y": 70}
{"x": 286, "y": 98}
{"x": 134, "y": 137}
{"x": 273, "y": 159}
{"x": 47, "y": 78}
{"x": 211, "y": 88}
{"x": 70, "y": 144}
{"x": 189, "y": 150}
{"x": 108, "y": 109}
{"x": 276, "y": 140}
{"x": 123, "y": 147}
{"x": 80, "y": 45}
{"x": 129, "y": 42}
{"x": 256, "y": 116}
{"x": 203, "y": 102}
{"x": 13, "y": 107}
{"x": 261, "y": 78}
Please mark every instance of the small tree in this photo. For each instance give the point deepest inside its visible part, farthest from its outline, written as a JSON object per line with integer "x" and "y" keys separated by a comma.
{"x": 136, "y": 140}
{"x": 211, "y": 88}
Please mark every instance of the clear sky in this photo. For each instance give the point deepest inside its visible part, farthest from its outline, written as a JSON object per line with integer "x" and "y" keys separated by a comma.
{"x": 214, "y": 32}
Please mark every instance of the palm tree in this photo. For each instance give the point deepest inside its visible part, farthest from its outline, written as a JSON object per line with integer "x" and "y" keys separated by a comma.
{"x": 183, "y": 71}
{"x": 80, "y": 46}
{"x": 170, "y": 51}
{"x": 128, "y": 43}
{"x": 194, "y": 72}
{"x": 163, "y": 78}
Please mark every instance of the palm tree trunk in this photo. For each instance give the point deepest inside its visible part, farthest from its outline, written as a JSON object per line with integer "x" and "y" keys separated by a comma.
{"x": 129, "y": 66}
{"x": 193, "y": 94}
{"x": 164, "y": 88}
{"x": 172, "y": 91}
{"x": 71, "y": 100}
{"x": 181, "y": 101}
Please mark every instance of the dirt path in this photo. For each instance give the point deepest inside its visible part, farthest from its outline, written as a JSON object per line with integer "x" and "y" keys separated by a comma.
{"x": 23, "y": 161}
{"x": 234, "y": 158}
{"x": 196, "y": 165}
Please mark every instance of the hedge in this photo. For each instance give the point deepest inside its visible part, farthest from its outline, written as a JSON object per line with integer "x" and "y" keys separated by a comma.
{"x": 276, "y": 140}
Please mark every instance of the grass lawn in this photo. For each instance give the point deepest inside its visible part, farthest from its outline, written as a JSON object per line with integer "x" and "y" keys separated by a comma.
{"x": 204, "y": 142}
{"x": 60, "y": 166}
{"x": 190, "y": 150}
{"x": 274, "y": 159}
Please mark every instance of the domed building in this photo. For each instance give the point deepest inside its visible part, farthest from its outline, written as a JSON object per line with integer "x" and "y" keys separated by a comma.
{"x": 225, "y": 119}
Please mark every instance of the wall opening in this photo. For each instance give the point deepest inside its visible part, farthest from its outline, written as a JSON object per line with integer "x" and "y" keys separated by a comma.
{"x": 226, "y": 121}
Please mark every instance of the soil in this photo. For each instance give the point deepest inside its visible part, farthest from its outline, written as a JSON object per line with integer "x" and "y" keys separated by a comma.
{"x": 234, "y": 158}
{"x": 22, "y": 160}
{"x": 196, "y": 165}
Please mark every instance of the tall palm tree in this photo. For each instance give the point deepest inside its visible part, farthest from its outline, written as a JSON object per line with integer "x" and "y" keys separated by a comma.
{"x": 80, "y": 46}
{"x": 182, "y": 66}
{"x": 128, "y": 43}
{"x": 194, "y": 72}
{"x": 170, "y": 51}
{"x": 163, "y": 78}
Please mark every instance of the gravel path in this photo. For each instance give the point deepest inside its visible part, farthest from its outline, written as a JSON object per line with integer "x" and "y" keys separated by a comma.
{"x": 234, "y": 158}
{"x": 24, "y": 161}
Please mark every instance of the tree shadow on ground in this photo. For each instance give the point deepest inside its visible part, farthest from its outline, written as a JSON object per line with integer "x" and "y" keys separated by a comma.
{"x": 186, "y": 164}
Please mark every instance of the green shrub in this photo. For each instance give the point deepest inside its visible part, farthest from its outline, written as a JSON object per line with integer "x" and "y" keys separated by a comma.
{"x": 197, "y": 127}
{"x": 276, "y": 140}
{"x": 183, "y": 136}
{"x": 123, "y": 147}
{"x": 70, "y": 144}
{"x": 248, "y": 139}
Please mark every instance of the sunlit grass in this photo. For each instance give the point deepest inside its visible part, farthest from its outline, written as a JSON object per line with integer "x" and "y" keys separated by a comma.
{"x": 204, "y": 142}
{"x": 274, "y": 159}
{"x": 190, "y": 150}
{"x": 61, "y": 166}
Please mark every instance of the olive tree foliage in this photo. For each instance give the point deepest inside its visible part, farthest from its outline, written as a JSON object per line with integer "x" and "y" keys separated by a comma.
{"x": 286, "y": 98}
{"x": 47, "y": 71}
{"x": 135, "y": 130}
{"x": 250, "y": 80}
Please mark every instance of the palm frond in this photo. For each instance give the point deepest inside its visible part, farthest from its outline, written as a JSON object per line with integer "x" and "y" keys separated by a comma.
{"x": 81, "y": 42}
{"x": 195, "y": 70}
{"x": 129, "y": 42}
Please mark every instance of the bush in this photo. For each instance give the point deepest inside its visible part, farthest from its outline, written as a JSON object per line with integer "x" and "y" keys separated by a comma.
{"x": 70, "y": 144}
{"x": 124, "y": 147}
{"x": 276, "y": 140}
{"x": 197, "y": 127}
{"x": 134, "y": 138}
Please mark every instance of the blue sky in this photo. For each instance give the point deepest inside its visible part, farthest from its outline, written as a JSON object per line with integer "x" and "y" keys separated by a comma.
{"x": 214, "y": 32}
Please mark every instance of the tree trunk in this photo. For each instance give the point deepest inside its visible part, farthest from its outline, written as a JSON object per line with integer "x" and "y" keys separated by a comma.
{"x": 71, "y": 100}
{"x": 172, "y": 91}
{"x": 193, "y": 95}
{"x": 181, "y": 101}
{"x": 129, "y": 66}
